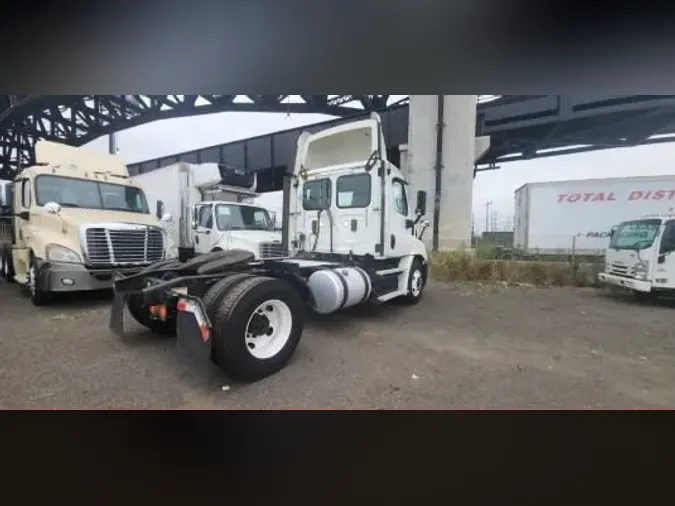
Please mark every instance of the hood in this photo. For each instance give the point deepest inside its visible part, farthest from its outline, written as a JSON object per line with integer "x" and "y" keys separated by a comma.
{"x": 256, "y": 236}
{"x": 626, "y": 257}
{"x": 76, "y": 217}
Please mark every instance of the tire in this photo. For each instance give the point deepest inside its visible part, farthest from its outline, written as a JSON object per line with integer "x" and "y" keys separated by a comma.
{"x": 417, "y": 282}
{"x": 7, "y": 267}
{"x": 232, "y": 349}
{"x": 38, "y": 296}
{"x": 215, "y": 293}
{"x": 141, "y": 314}
{"x": 644, "y": 296}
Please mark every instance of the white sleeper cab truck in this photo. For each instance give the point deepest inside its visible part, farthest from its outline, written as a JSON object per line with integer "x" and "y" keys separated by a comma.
{"x": 353, "y": 238}
{"x": 640, "y": 256}
{"x": 211, "y": 208}
{"x": 77, "y": 218}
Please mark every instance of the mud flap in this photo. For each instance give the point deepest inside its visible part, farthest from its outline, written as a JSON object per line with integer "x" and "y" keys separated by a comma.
{"x": 194, "y": 340}
{"x": 117, "y": 313}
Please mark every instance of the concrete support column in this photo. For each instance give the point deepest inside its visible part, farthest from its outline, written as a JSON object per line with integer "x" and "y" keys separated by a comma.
{"x": 419, "y": 160}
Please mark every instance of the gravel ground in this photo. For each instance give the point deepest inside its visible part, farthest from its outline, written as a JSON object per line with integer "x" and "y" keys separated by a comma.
{"x": 463, "y": 346}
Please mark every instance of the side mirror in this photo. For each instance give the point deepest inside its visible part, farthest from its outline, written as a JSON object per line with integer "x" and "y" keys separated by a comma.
{"x": 273, "y": 221}
{"x": 167, "y": 218}
{"x": 159, "y": 212}
{"x": 421, "y": 209}
{"x": 612, "y": 232}
{"x": 52, "y": 208}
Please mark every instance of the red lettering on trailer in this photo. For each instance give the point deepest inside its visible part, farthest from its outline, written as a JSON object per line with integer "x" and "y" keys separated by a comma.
{"x": 611, "y": 196}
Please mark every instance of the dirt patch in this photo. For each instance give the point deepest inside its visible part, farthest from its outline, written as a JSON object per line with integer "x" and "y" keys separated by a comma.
{"x": 464, "y": 346}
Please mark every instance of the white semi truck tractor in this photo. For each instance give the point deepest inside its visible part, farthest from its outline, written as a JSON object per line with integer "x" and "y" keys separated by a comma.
{"x": 353, "y": 237}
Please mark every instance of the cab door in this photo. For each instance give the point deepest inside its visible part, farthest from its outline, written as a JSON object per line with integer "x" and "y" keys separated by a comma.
{"x": 203, "y": 232}
{"x": 23, "y": 199}
{"x": 398, "y": 233}
{"x": 356, "y": 210}
{"x": 664, "y": 271}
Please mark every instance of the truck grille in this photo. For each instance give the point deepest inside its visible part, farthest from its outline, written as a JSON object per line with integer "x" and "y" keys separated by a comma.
{"x": 272, "y": 250}
{"x": 619, "y": 269}
{"x": 107, "y": 246}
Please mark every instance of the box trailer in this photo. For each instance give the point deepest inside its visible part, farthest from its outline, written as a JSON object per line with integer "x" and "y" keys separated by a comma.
{"x": 578, "y": 215}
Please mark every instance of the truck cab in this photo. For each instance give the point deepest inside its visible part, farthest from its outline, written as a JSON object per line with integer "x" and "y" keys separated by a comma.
{"x": 348, "y": 203}
{"x": 76, "y": 218}
{"x": 640, "y": 256}
{"x": 224, "y": 225}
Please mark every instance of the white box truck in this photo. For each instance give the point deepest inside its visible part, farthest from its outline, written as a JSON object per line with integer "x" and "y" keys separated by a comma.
{"x": 640, "y": 256}
{"x": 209, "y": 208}
{"x": 558, "y": 217}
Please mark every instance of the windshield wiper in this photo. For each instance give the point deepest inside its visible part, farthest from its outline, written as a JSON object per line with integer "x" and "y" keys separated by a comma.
{"x": 125, "y": 209}
{"x": 69, "y": 205}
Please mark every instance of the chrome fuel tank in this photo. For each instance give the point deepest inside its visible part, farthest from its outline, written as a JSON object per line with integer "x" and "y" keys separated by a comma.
{"x": 334, "y": 289}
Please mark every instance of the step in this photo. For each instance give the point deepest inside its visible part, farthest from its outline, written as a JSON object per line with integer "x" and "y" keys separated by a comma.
{"x": 391, "y": 295}
{"x": 389, "y": 272}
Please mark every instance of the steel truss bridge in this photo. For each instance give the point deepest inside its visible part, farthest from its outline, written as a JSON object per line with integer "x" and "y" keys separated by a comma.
{"x": 521, "y": 126}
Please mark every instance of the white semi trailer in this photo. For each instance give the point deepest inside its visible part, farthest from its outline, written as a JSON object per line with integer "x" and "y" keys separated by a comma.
{"x": 211, "y": 208}
{"x": 353, "y": 238}
{"x": 560, "y": 216}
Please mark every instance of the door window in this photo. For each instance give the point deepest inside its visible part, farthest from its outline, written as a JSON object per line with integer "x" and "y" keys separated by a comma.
{"x": 353, "y": 191}
{"x": 205, "y": 219}
{"x": 316, "y": 195}
{"x": 400, "y": 198}
{"x": 25, "y": 193}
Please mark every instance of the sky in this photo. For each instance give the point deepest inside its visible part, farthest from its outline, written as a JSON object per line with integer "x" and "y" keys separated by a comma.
{"x": 172, "y": 136}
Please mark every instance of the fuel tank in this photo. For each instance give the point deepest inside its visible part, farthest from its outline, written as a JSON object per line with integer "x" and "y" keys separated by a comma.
{"x": 335, "y": 289}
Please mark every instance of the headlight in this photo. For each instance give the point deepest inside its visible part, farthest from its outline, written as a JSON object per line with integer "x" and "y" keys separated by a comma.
{"x": 57, "y": 253}
{"x": 641, "y": 269}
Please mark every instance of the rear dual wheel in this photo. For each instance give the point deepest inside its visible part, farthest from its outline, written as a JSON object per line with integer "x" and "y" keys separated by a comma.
{"x": 257, "y": 325}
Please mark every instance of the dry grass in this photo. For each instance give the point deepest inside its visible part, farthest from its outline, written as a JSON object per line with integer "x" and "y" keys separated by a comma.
{"x": 464, "y": 266}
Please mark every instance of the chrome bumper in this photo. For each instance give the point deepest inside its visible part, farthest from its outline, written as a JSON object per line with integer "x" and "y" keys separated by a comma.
{"x": 631, "y": 284}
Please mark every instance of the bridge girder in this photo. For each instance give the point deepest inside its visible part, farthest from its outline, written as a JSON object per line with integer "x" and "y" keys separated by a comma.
{"x": 79, "y": 119}
{"x": 520, "y": 126}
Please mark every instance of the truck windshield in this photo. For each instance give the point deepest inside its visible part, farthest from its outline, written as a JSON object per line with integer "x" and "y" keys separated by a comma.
{"x": 87, "y": 194}
{"x": 635, "y": 235}
{"x": 234, "y": 217}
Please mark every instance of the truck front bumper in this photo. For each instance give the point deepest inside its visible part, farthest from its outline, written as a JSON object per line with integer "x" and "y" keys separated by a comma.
{"x": 630, "y": 284}
{"x": 55, "y": 277}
